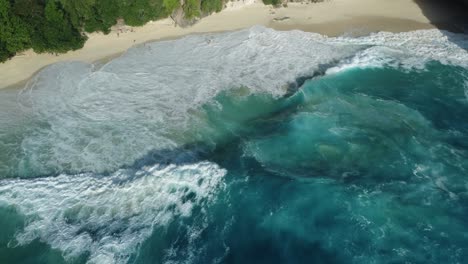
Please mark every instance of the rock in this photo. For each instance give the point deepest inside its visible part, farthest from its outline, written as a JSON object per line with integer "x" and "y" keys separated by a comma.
{"x": 179, "y": 18}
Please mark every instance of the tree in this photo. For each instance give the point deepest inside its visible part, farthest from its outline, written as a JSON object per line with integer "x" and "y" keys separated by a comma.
{"x": 210, "y": 6}
{"x": 191, "y": 8}
{"x": 14, "y": 35}
{"x": 58, "y": 25}
{"x": 55, "y": 32}
{"x": 4, "y": 54}
{"x": 171, "y": 5}
{"x": 79, "y": 11}
{"x": 105, "y": 16}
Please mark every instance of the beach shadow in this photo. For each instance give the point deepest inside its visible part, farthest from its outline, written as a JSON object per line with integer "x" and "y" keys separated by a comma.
{"x": 448, "y": 15}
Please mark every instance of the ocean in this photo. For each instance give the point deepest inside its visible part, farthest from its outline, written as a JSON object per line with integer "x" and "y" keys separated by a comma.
{"x": 254, "y": 146}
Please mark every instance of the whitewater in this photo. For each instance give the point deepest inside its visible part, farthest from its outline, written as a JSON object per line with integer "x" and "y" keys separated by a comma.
{"x": 318, "y": 149}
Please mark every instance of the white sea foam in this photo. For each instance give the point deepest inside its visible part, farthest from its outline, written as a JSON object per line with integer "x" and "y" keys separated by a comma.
{"x": 80, "y": 118}
{"x": 98, "y": 119}
{"x": 373, "y": 57}
{"x": 109, "y": 216}
{"x": 408, "y": 50}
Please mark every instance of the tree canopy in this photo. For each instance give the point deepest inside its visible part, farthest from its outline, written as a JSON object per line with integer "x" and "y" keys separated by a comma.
{"x": 58, "y": 25}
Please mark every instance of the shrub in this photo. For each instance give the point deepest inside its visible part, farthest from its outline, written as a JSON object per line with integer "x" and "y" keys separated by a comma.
{"x": 191, "y": 8}
{"x": 210, "y": 6}
{"x": 272, "y": 2}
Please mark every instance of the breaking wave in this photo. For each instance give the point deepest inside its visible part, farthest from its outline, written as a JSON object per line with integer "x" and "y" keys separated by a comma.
{"x": 292, "y": 138}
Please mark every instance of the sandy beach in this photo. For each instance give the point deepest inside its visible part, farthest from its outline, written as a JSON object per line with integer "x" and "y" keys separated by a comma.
{"x": 333, "y": 17}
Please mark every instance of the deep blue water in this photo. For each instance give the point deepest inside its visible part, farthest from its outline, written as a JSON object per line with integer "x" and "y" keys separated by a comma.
{"x": 361, "y": 165}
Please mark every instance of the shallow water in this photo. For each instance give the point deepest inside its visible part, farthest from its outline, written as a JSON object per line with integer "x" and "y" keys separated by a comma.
{"x": 254, "y": 147}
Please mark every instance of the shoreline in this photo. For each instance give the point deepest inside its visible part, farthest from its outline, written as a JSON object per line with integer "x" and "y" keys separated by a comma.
{"x": 331, "y": 18}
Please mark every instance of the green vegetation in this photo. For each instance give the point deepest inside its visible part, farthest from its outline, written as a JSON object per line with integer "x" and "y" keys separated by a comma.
{"x": 14, "y": 34}
{"x": 210, "y": 6}
{"x": 58, "y": 26}
{"x": 191, "y": 8}
{"x": 171, "y": 4}
{"x": 272, "y": 2}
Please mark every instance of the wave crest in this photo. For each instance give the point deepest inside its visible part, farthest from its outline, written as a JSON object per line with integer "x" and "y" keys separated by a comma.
{"x": 109, "y": 216}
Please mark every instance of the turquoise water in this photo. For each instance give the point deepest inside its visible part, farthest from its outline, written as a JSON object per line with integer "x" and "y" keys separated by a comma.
{"x": 358, "y": 163}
